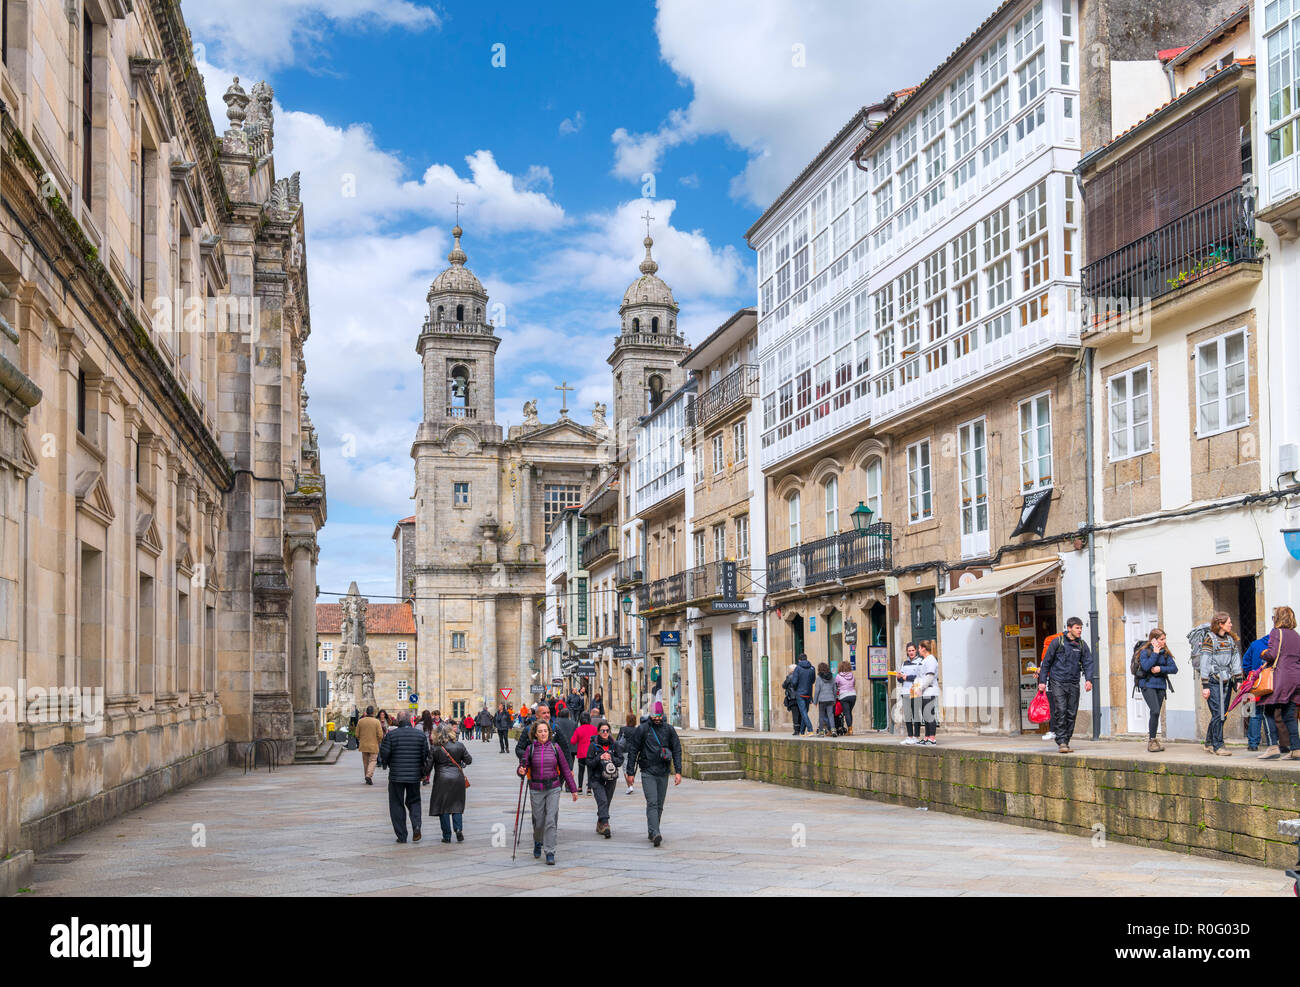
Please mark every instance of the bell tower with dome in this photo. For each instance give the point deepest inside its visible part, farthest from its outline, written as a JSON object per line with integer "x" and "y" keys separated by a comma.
{"x": 457, "y": 347}
{"x": 648, "y": 351}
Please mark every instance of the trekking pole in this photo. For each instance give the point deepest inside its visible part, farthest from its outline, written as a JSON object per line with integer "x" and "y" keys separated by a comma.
{"x": 518, "y": 813}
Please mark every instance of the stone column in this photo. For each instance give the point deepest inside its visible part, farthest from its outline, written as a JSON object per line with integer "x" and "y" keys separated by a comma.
{"x": 489, "y": 650}
{"x": 526, "y": 543}
{"x": 527, "y": 646}
{"x": 302, "y": 640}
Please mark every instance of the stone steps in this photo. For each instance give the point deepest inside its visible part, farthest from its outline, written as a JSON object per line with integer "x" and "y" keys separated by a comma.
{"x": 327, "y": 752}
{"x": 710, "y": 759}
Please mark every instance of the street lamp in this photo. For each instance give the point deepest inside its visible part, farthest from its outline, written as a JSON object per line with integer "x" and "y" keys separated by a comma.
{"x": 627, "y": 605}
{"x": 861, "y": 517}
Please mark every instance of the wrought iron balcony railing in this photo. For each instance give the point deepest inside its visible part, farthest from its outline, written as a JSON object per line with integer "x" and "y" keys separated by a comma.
{"x": 1211, "y": 237}
{"x": 628, "y": 571}
{"x": 850, "y": 553}
{"x": 739, "y": 385}
{"x": 596, "y": 546}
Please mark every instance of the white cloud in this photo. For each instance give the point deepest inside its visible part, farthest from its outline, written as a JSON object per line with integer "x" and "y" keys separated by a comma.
{"x": 690, "y": 181}
{"x": 754, "y": 92}
{"x": 267, "y": 34}
{"x": 571, "y": 125}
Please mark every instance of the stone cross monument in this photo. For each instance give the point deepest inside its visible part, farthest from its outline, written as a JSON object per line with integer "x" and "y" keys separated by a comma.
{"x": 354, "y": 682}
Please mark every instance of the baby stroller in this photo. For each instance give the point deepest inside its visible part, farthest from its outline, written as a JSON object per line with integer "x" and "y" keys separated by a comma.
{"x": 840, "y": 727}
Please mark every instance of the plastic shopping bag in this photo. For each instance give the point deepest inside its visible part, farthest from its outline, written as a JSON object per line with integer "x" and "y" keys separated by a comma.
{"x": 1039, "y": 710}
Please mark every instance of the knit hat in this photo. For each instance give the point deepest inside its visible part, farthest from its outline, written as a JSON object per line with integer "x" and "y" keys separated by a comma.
{"x": 659, "y": 709}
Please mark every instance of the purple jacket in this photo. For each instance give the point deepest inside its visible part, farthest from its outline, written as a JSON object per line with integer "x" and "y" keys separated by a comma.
{"x": 1284, "y": 644}
{"x": 547, "y": 768}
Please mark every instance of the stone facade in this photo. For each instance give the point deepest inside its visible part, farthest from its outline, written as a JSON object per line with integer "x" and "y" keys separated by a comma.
{"x": 483, "y": 499}
{"x": 162, "y": 498}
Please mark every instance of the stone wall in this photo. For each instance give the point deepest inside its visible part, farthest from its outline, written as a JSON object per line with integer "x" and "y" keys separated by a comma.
{"x": 1230, "y": 812}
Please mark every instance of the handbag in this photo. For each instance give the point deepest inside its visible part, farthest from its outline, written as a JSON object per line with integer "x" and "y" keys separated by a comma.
{"x": 1263, "y": 683}
{"x": 457, "y": 763}
{"x": 1040, "y": 711}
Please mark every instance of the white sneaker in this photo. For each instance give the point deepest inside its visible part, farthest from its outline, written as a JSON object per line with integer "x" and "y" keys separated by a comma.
{"x": 630, "y": 789}
{"x": 908, "y": 741}
{"x": 1049, "y": 737}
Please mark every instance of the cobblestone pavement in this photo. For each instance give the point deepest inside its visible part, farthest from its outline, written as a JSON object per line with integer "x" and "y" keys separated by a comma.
{"x": 317, "y": 830}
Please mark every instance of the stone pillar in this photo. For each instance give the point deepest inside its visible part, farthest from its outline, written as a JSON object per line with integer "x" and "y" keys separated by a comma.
{"x": 526, "y": 543}
{"x": 489, "y": 650}
{"x": 302, "y": 640}
{"x": 527, "y": 646}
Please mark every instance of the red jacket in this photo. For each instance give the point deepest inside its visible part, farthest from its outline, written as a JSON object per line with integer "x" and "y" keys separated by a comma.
{"x": 581, "y": 738}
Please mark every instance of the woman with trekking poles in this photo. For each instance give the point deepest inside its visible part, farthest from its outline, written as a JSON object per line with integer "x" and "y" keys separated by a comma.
{"x": 1219, "y": 654}
{"x": 545, "y": 770}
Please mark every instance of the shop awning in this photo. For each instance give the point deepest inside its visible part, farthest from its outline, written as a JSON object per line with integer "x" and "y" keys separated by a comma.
{"x": 980, "y": 598}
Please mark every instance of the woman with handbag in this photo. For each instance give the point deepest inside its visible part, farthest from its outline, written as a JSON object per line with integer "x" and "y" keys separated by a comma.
{"x": 445, "y": 762}
{"x": 1283, "y": 658}
{"x": 927, "y": 680}
{"x": 1156, "y": 664}
{"x": 547, "y": 770}
{"x": 910, "y": 703}
{"x": 846, "y": 690}
{"x": 603, "y": 761}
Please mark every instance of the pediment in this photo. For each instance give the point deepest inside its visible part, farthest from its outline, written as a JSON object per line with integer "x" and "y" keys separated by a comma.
{"x": 563, "y": 432}
{"x": 27, "y": 464}
{"x": 185, "y": 560}
{"x": 92, "y": 497}
{"x": 146, "y": 535}
{"x": 461, "y": 442}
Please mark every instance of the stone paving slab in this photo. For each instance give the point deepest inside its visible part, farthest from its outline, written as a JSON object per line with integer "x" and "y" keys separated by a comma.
{"x": 316, "y": 830}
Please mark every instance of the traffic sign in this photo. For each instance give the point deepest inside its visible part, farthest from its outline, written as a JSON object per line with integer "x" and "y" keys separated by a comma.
{"x": 412, "y": 697}
{"x": 505, "y": 693}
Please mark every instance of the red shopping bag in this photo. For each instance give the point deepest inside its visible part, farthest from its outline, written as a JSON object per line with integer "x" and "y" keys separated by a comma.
{"x": 839, "y": 710}
{"x": 1039, "y": 710}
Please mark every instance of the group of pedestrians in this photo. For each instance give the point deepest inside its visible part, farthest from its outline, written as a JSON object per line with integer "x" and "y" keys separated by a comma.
{"x": 432, "y": 752}
{"x": 833, "y": 695}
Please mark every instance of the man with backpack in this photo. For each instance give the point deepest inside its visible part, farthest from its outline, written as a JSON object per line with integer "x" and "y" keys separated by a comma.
{"x": 1067, "y": 659}
{"x": 655, "y": 747}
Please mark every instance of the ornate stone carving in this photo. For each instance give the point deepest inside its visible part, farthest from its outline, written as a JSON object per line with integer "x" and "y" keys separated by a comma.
{"x": 236, "y": 105}
{"x": 598, "y": 414}
{"x": 354, "y": 681}
{"x": 530, "y": 413}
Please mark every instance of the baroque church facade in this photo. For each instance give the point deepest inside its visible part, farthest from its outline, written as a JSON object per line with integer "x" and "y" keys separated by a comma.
{"x": 487, "y": 497}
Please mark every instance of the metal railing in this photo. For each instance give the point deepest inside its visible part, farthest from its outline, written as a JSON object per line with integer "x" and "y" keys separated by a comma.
{"x": 1210, "y": 237}
{"x": 842, "y": 556}
{"x": 596, "y": 545}
{"x": 630, "y": 570}
{"x": 737, "y": 386}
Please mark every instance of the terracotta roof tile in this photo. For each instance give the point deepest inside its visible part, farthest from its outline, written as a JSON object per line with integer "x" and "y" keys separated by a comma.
{"x": 1168, "y": 54}
{"x": 381, "y": 618}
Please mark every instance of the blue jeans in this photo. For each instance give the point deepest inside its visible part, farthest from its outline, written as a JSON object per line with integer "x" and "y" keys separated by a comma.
{"x": 1256, "y": 723}
{"x": 803, "y": 724}
{"x": 449, "y": 821}
{"x": 1216, "y": 702}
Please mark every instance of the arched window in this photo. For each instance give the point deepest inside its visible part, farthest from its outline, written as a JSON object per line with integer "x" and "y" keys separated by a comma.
{"x": 792, "y": 505}
{"x": 875, "y": 480}
{"x": 636, "y": 325}
{"x": 478, "y": 314}
{"x": 656, "y": 386}
{"x": 459, "y": 387}
{"x": 460, "y": 313}
{"x": 439, "y": 313}
{"x": 654, "y": 324}
{"x": 832, "y": 486}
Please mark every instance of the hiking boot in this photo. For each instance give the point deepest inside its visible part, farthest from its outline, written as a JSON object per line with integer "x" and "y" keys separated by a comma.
{"x": 1063, "y": 749}
{"x": 658, "y": 839}
{"x": 1294, "y": 756}
{"x": 460, "y": 837}
{"x": 537, "y": 851}
{"x": 1223, "y": 752}
{"x": 1154, "y": 746}
{"x": 550, "y": 860}
{"x": 1271, "y": 753}
{"x": 415, "y": 838}
{"x": 1207, "y": 748}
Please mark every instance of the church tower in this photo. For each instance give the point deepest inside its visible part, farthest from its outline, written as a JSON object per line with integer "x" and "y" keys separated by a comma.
{"x": 458, "y": 348}
{"x": 647, "y": 352}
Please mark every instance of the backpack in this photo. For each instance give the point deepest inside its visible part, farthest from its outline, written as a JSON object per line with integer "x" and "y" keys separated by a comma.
{"x": 1135, "y": 664}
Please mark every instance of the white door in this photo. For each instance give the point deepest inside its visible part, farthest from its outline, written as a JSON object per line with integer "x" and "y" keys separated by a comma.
{"x": 1140, "y": 620}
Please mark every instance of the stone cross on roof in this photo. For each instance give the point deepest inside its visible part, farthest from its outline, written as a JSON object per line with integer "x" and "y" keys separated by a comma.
{"x": 564, "y": 387}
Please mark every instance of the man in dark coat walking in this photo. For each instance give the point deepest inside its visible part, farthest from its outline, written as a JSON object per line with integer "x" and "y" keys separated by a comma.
{"x": 655, "y": 747}
{"x": 804, "y": 676}
{"x": 502, "y": 722}
{"x": 1067, "y": 659}
{"x": 484, "y": 723}
{"x": 402, "y": 754}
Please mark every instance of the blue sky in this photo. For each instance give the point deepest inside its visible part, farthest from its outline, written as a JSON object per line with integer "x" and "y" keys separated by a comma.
{"x": 393, "y": 108}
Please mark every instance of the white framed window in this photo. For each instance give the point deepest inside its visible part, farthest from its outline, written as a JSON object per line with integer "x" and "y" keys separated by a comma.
{"x": 1282, "y": 43}
{"x": 920, "y": 506}
{"x": 1130, "y": 412}
{"x": 720, "y": 542}
{"x": 974, "y": 487}
{"x": 742, "y": 537}
{"x": 327, "y": 651}
{"x": 1222, "y": 402}
{"x": 832, "y": 491}
{"x": 792, "y": 513}
{"x": 875, "y": 490}
{"x": 1036, "y": 443}
{"x": 557, "y": 497}
{"x": 457, "y": 640}
{"x": 700, "y": 557}
{"x": 997, "y": 256}
{"x": 909, "y": 178}
{"x": 719, "y": 463}
{"x": 460, "y": 494}
{"x": 401, "y": 651}
{"x": 698, "y": 455}
{"x": 739, "y": 440}
{"x": 402, "y": 690}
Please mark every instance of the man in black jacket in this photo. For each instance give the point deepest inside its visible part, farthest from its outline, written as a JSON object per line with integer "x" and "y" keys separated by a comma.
{"x": 544, "y": 714}
{"x": 804, "y": 675}
{"x": 402, "y": 752}
{"x": 654, "y": 746}
{"x": 565, "y": 725}
{"x": 1068, "y": 658}
{"x": 501, "y": 722}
